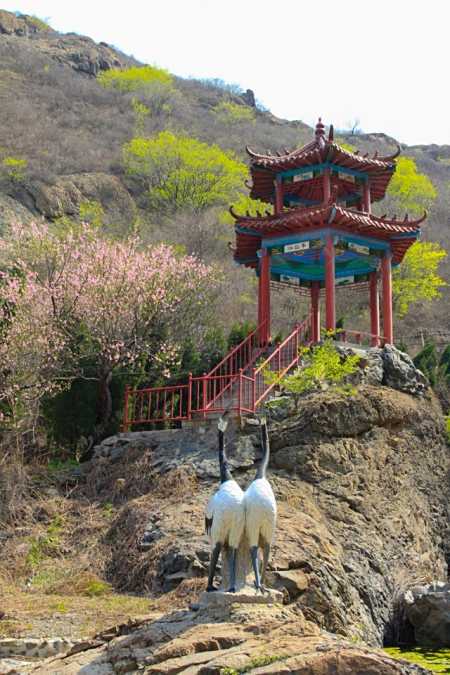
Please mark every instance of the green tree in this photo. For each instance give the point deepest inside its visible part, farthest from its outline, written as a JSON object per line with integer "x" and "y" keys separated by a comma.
{"x": 427, "y": 361}
{"x": 245, "y": 204}
{"x": 182, "y": 173}
{"x": 410, "y": 189}
{"x": 232, "y": 113}
{"x": 417, "y": 278}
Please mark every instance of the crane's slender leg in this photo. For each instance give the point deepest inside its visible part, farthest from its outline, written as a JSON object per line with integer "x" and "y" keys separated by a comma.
{"x": 212, "y": 567}
{"x": 255, "y": 564}
{"x": 232, "y": 556}
{"x": 266, "y": 555}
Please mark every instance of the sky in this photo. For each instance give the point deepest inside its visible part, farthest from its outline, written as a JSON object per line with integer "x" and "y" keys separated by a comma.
{"x": 382, "y": 63}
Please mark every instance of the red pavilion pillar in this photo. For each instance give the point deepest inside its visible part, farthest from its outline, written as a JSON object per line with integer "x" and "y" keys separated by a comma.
{"x": 330, "y": 290}
{"x": 374, "y": 301}
{"x": 386, "y": 280}
{"x": 278, "y": 195}
{"x": 264, "y": 296}
{"x": 315, "y": 311}
{"x": 366, "y": 202}
{"x": 326, "y": 185}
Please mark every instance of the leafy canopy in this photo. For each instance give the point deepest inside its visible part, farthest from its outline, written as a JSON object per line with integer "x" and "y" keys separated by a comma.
{"x": 183, "y": 173}
{"x": 412, "y": 190}
{"x": 321, "y": 365}
{"x": 233, "y": 113}
{"x": 134, "y": 79}
{"x": 417, "y": 278}
{"x": 245, "y": 204}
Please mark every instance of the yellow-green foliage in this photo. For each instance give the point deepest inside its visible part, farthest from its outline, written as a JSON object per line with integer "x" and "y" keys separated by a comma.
{"x": 135, "y": 78}
{"x": 346, "y": 146}
{"x": 412, "y": 190}
{"x": 436, "y": 660}
{"x": 243, "y": 205}
{"x": 141, "y": 112}
{"x": 233, "y": 113}
{"x": 46, "y": 545}
{"x": 14, "y": 168}
{"x": 184, "y": 173}
{"x": 447, "y": 424}
{"x": 417, "y": 278}
{"x": 319, "y": 365}
{"x": 41, "y": 25}
{"x": 92, "y": 212}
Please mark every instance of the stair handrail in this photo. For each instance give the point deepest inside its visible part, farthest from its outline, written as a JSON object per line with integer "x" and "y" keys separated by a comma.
{"x": 295, "y": 334}
{"x": 258, "y": 331}
{"x": 299, "y": 328}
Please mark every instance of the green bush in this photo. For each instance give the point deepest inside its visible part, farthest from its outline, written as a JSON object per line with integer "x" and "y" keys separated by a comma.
{"x": 232, "y": 113}
{"x": 427, "y": 361}
{"x": 239, "y": 332}
{"x": 14, "y": 168}
{"x": 134, "y": 79}
{"x": 320, "y": 365}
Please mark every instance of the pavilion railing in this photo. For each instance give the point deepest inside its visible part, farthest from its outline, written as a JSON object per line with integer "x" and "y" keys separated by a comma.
{"x": 238, "y": 383}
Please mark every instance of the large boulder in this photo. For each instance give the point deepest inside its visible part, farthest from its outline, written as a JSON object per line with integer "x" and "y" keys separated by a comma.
{"x": 236, "y": 637}
{"x": 428, "y": 609}
{"x": 399, "y": 372}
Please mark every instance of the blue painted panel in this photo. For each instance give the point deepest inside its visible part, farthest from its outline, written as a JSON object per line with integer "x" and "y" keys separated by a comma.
{"x": 319, "y": 277}
{"x": 316, "y": 167}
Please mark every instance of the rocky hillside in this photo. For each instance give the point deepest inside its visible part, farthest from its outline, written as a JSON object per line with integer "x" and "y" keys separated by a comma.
{"x": 70, "y": 131}
{"x": 362, "y": 488}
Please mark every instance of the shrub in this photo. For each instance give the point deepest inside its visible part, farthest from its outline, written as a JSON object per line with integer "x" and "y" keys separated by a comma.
{"x": 135, "y": 78}
{"x": 233, "y": 113}
{"x": 427, "y": 361}
{"x": 239, "y": 332}
{"x": 320, "y": 365}
{"x": 14, "y": 168}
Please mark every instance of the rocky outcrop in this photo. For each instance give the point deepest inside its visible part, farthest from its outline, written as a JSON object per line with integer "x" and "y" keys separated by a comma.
{"x": 65, "y": 195}
{"x": 388, "y": 366}
{"x": 427, "y": 608}
{"x": 263, "y": 639}
{"x": 21, "y": 24}
{"x": 76, "y": 51}
{"x": 361, "y": 488}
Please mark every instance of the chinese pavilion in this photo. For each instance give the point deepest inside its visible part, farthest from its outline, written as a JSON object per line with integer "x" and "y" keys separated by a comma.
{"x": 323, "y": 233}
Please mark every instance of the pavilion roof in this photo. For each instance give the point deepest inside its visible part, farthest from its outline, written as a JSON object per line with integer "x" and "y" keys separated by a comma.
{"x": 250, "y": 230}
{"x": 321, "y": 150}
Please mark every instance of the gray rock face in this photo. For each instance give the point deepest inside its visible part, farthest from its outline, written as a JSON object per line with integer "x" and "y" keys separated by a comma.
{"x": 399, "y": 372}
{"x": 388, "y": 366}
{"x": 428, "y": 610}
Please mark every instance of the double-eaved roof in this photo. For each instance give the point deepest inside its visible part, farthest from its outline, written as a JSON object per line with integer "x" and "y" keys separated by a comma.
{"x": 251, "y": 230}
{"x": 317, "y": 154}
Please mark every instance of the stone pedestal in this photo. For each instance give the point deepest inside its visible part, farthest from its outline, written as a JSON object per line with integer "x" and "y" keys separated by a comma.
{"x": 247, "y": 595}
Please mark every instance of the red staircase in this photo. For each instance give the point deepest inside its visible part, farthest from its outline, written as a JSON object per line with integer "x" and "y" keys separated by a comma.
{"x": 236, "y": 383}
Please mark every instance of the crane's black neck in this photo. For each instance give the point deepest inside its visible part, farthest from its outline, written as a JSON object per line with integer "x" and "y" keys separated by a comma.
{"x": 225, "y": 473}
{"x": 261, "y": 472}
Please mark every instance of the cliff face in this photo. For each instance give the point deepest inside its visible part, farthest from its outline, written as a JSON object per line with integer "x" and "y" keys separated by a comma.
{"x": 362, "y": 492}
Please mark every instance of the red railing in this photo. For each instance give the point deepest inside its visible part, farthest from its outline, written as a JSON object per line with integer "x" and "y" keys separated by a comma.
{"x": 285, "y": 357}
{"x": 234, "y": 384}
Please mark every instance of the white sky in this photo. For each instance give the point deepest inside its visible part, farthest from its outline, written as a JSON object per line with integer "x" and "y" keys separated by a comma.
{"x": 385, "y": 62}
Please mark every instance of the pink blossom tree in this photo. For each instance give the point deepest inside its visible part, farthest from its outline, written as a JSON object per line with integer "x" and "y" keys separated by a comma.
{"x": 71, "y": 296}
